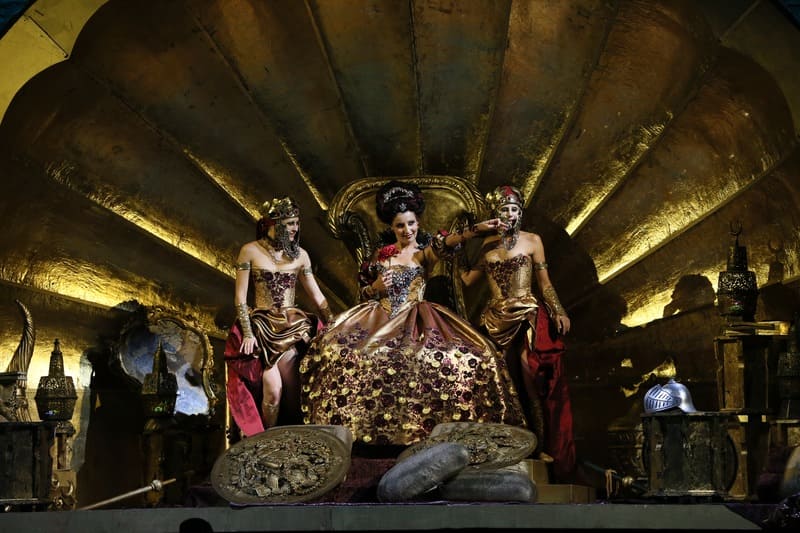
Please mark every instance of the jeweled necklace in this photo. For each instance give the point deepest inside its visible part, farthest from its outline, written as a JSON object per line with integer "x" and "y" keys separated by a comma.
{"x": 510, "y": 239}
{"x": 269, "y": 247}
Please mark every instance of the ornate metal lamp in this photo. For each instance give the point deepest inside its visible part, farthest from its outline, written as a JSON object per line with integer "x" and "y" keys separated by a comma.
{"x": 737, "y": 290}
{"x": 56, "y": 396}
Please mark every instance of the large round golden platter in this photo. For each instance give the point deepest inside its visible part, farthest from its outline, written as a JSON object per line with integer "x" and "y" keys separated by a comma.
{"x": 490, "y": 445}
{"x": 281, "y": 465}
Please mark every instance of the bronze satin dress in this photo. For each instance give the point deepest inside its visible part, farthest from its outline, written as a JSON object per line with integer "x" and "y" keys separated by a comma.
{"x": 512, "y": 305}
{"x": 391, "y": 369}
{"x": 278, "y": 326}
{"x": 521, "y": 327}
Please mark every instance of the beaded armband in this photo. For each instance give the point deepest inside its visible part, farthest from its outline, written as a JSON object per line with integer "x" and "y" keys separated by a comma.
{"x": 441, "y": 248}
{"x": 243, "y": 313}
{"x": 367, "y": 275}
{"x": 540, "y": 266}
{"x": 243, "y": 266}
{"x": 551, "y": 300}
{"x": 306, "y": 271}
{"x": 367, "y": 292}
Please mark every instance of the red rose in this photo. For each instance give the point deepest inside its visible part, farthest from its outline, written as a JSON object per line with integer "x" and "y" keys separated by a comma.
{"x": 387, "y": 251}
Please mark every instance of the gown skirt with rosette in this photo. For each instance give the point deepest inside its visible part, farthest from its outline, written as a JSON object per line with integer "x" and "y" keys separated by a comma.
{"x": 392, "y": 369}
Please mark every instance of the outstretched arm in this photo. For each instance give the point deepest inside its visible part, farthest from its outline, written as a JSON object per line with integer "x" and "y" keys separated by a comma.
{"x": 556, "y": 311}
{"x": 447, "y": 244}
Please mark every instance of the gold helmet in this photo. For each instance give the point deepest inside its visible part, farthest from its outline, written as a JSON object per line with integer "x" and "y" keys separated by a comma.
{"x": 504, "y": 195}
{"x": 280, "y": 208}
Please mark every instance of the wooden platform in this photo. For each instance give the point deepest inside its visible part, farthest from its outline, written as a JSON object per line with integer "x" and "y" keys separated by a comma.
{"x": 353, "y": 507}
{"x": 384, "y": 517}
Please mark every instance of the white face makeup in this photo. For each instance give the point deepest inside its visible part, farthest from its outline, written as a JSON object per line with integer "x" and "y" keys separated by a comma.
{"x": 292, "y": 225}
{"x": 510, "y": 213}
{"x": 405, "y": 226}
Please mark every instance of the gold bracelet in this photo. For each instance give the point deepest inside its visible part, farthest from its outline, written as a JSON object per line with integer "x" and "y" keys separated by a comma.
{"x": 551, "y": 299}
{"x": 368, "y": 291}
{"x": 325, "y": 312}
{"x": 243, "y": 313}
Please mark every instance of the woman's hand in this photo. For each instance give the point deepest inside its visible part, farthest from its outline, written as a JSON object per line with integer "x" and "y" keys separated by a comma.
{"x": 493, "y": 224}
{"x": 384, "y": 282}
{"x": 249, "y": 344}
{"x": 562, "y": 324}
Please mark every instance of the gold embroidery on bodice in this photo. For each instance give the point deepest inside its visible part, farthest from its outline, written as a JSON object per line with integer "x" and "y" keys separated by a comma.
{"x": 510, "y": 278}
{"x": 273, "y": 289}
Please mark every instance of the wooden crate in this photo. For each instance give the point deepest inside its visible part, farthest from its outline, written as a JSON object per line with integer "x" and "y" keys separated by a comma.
{"x": 746, "y": 372}
{"x": 26, "y": 464}
{"x": 750, "y": 436}
{"x": 688, "y": 454}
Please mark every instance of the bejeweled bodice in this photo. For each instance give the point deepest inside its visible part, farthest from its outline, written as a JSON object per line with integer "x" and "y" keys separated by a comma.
{"x": 510, "y": 278}
{"x": 408, "y": 285}
{"x": 273, "y": 289}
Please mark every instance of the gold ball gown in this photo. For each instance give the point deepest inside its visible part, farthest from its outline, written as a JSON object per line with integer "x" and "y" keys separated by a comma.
{"x": 391, "y": 369}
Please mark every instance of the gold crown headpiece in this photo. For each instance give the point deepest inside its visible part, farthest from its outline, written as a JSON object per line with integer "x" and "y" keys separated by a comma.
{"x": 503, "y": 195}
{"x": 280, "y": 208}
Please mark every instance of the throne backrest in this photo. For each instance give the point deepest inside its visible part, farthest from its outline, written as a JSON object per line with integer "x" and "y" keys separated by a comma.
{"x": 449, "y": 201}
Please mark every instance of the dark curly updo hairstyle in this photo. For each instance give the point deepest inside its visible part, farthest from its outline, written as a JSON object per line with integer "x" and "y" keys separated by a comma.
{"x": 398, "y": 197}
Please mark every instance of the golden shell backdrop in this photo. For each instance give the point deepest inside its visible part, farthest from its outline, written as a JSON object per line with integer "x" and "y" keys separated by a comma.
{"x": 133, "y": 167}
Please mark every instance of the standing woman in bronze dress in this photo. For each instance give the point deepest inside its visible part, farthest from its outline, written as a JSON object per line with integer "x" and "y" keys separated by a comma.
{"x": 393, "y": 367}
{"x": 266, "y": 342}
{"x": 531, "y": 335}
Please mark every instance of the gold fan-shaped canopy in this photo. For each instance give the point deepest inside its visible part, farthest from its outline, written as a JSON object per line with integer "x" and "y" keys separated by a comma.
{"x": 138, "y": 140}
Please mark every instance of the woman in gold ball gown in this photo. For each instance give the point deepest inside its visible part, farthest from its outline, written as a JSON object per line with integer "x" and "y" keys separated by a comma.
{"x": 395, "y": 366}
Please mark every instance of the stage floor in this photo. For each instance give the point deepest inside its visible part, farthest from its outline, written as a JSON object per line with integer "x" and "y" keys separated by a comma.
{"x": 387, "y": 517}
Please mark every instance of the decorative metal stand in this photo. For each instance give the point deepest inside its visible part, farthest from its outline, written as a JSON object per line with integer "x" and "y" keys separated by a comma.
{"x": 159, "y": 393}
{"x": 55, "y": 401}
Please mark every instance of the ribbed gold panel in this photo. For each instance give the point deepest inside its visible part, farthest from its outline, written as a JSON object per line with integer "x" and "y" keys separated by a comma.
{"x": 552, "y": 50}
{"x": 653, "y": 63}
{"x": 638, "y": 130}
{"x": 735, "y": 130}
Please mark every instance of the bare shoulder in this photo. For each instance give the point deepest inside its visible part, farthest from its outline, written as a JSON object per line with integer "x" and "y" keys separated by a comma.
{"x": 303, "y": 256}
{"x": 248, "y": 249}
{"x": 530, "y": 237}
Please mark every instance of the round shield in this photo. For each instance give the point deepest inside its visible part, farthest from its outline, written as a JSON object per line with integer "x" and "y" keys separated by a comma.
{"x": 490, "y": 445}
{"x": 289, "y": 464}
